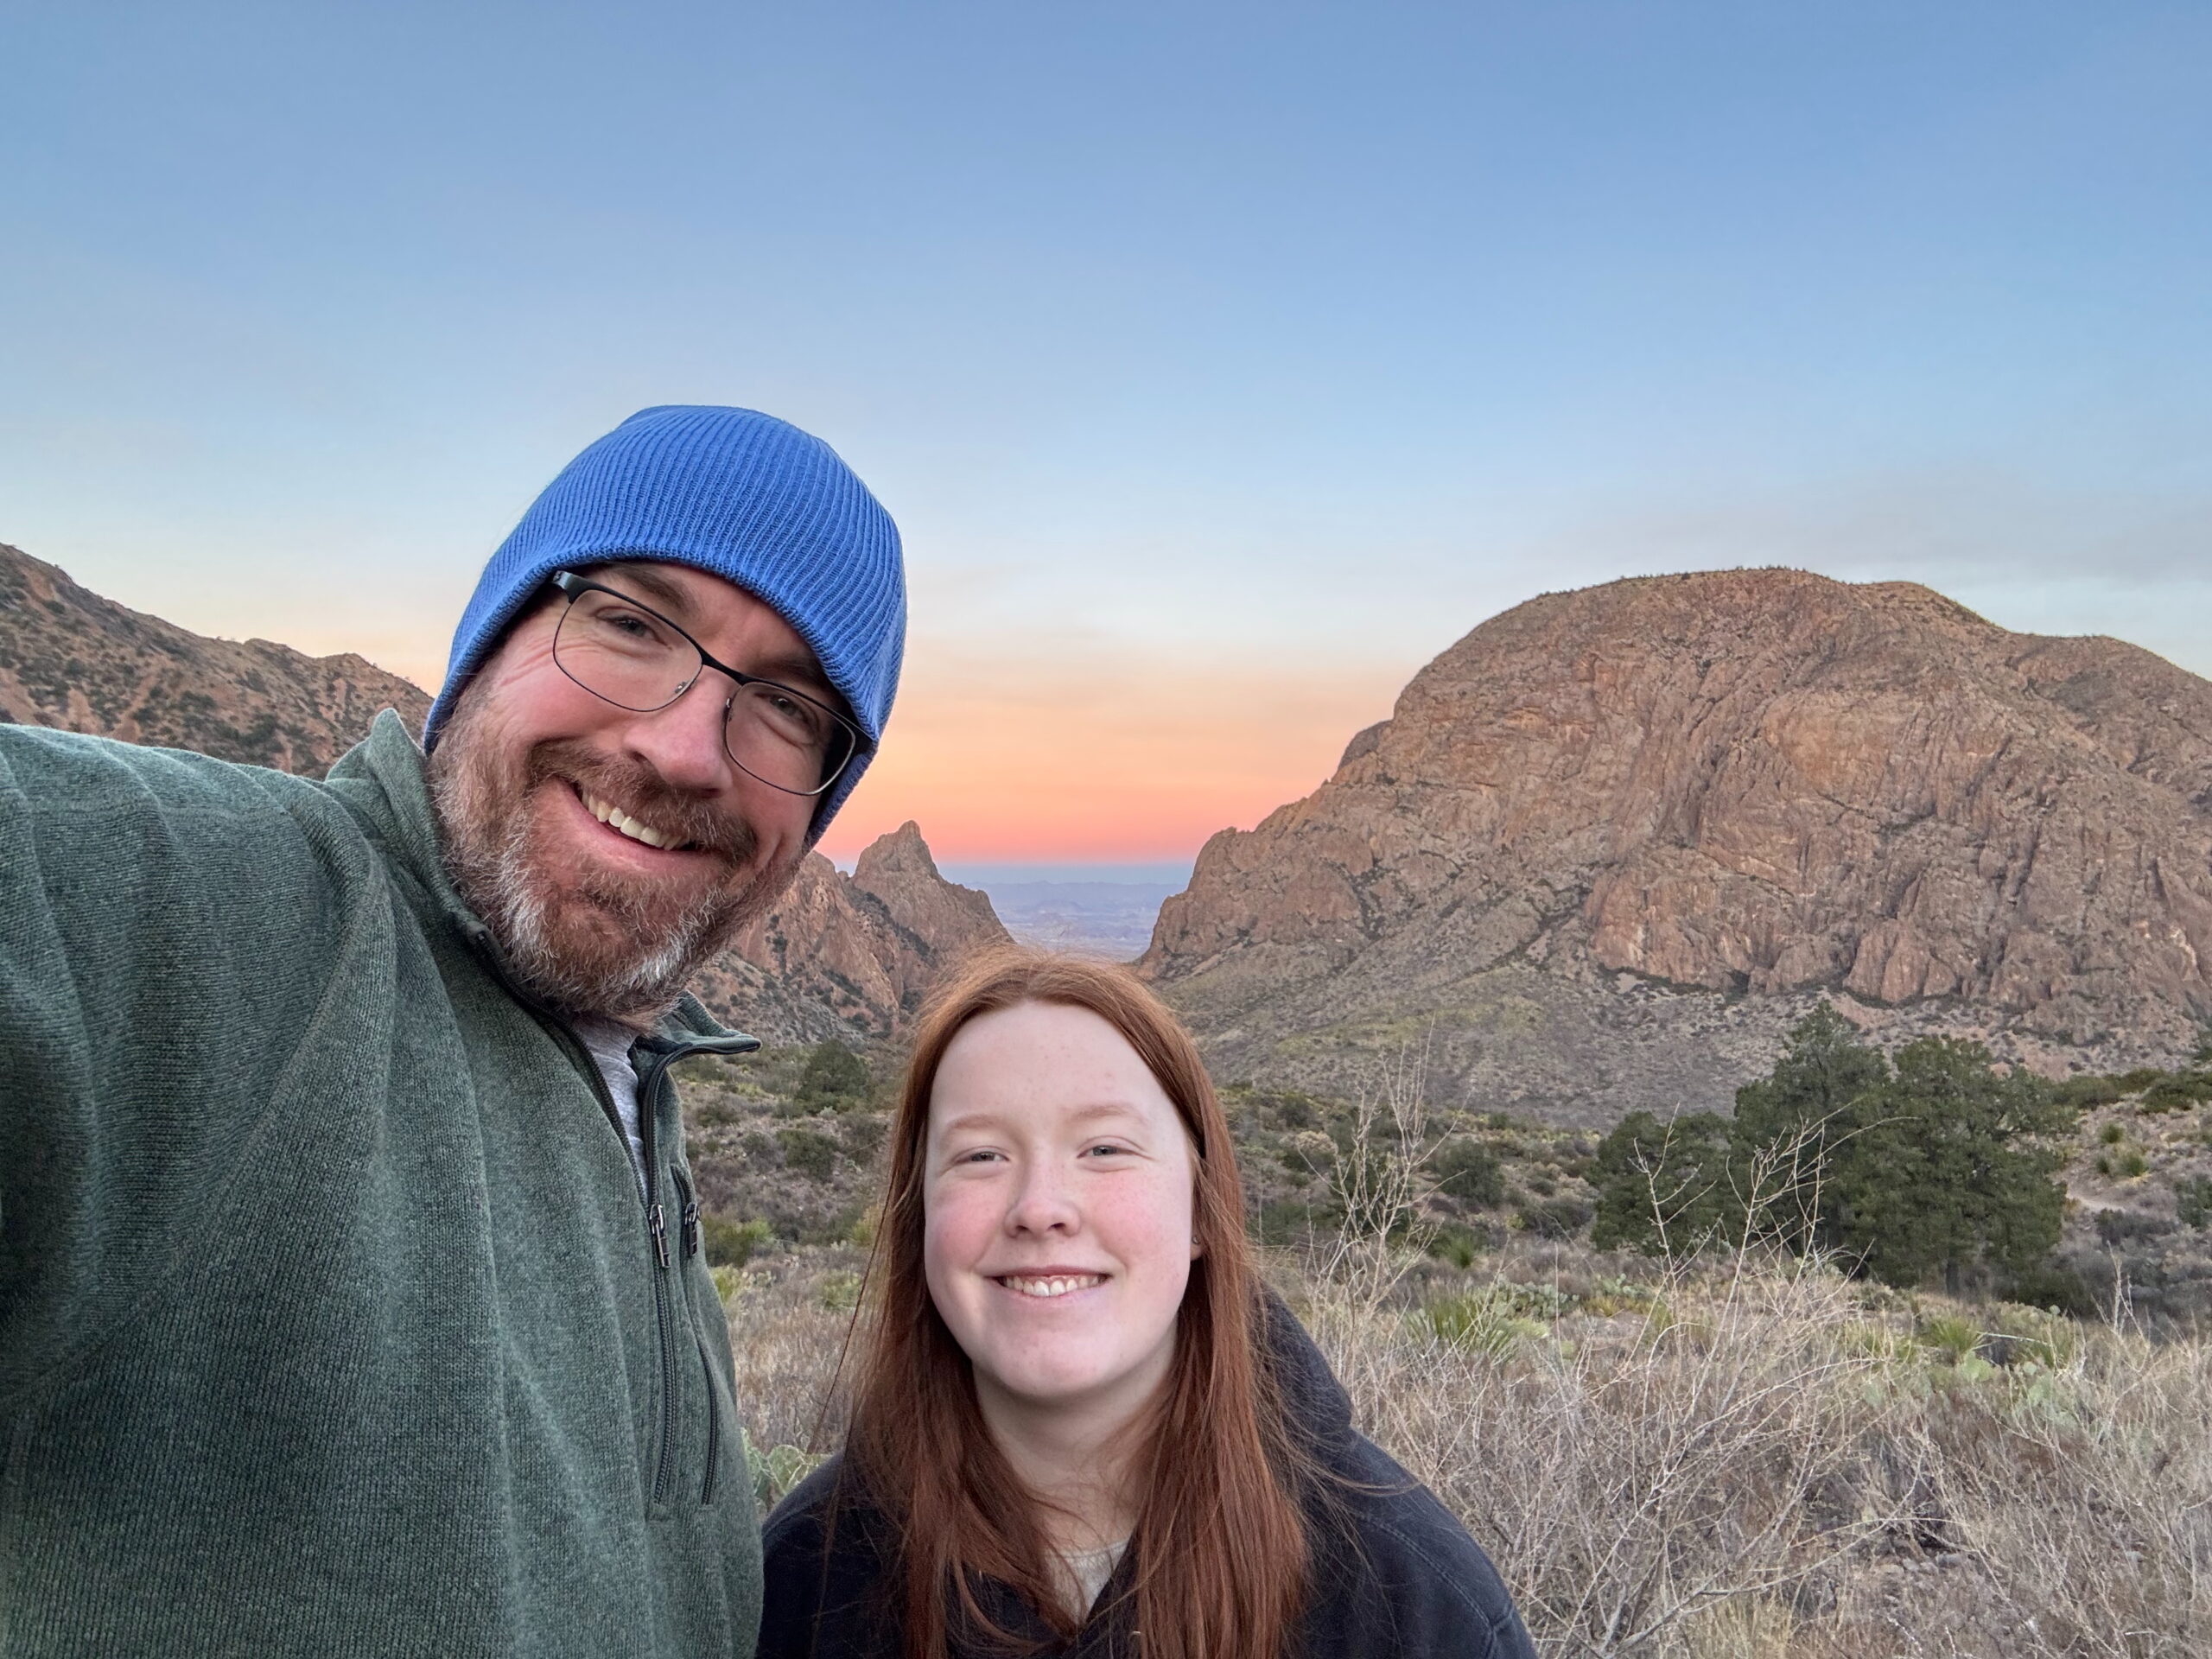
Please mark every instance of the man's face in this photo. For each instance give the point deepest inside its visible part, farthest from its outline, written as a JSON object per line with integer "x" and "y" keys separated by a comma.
{"x": 534, "y": 778}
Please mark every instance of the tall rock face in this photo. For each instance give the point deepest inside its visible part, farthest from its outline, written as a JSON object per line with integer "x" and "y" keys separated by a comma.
{"x": 843, "y": 956}
{"x": 851, "y": 956}
{"x": 1613, "y": 841}
{"x": 72, "y": 659}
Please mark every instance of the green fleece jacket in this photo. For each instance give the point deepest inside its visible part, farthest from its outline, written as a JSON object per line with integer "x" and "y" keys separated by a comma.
{"x": 331, "y": 1319}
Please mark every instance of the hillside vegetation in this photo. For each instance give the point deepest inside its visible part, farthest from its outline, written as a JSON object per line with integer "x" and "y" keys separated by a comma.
{"x": 1737, "y": 1442}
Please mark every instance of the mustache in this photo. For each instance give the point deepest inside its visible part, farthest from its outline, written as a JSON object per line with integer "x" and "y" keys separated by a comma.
{"x": 643, "y": 793}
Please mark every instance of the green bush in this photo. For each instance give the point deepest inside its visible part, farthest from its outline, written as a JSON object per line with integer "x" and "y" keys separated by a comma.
{"x": 1663, "y": 1188}
{"x": 732, "y": 1243}
{"x": 2193, "y": 1201}
{"x": 2084, "y": 1093}
{"x": 2112, "y": 1134}
{"x": 2131, "y": 1164}
{"x": 2049, "y": 1285}
{"x": 1286, "y": 1221}
{"x": 1466, "y": 1171}
{"x": 1456, "y": 1242}
{"x": 2135, "y": 1082}
{"x": 834, "y": 1080}
{"x": 1950, "y": 1336}
{"x": 807, "y": 1152}
{"x": 2177, "y": 1092}
{"x": 1489, "y": 1322}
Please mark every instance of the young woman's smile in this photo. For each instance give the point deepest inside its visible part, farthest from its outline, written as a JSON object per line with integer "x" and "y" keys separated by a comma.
{"x": 1058, "y": 1206}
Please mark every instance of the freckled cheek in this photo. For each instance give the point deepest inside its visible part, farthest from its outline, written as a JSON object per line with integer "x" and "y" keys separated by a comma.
{"x": 957, "y": 1229}
{"x": 1148, "y": 1231}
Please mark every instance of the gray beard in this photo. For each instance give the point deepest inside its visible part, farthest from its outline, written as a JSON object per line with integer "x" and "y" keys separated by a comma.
{"x": 594, "y": 946}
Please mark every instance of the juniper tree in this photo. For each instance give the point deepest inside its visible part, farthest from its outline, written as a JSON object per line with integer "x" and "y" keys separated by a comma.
{"x": 1664, "y": 1188}
{"x": 1949, "y": 1167}
{"x": 836, "y": 1080}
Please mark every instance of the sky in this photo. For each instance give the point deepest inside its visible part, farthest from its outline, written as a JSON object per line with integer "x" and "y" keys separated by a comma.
{"x": 1221, "y": 363}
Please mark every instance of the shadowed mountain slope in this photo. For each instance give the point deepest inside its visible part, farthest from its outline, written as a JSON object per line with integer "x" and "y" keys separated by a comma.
{"x": 72, "y": 659}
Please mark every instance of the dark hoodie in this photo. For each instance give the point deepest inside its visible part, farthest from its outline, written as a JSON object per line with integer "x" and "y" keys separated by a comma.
{"x": 1394, "y": 1576}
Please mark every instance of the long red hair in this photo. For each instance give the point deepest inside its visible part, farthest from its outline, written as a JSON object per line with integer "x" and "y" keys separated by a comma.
{"x": 1220, "y": 1552}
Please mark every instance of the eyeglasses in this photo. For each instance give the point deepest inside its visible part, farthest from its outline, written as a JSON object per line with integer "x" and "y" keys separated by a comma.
{"x": 636, "y": 658}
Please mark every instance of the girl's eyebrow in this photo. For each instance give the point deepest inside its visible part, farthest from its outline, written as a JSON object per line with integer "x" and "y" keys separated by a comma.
{"x": 1080, "y": 1114}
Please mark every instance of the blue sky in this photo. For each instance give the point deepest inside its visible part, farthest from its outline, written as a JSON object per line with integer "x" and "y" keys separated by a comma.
{"x": 1221, "y": 363}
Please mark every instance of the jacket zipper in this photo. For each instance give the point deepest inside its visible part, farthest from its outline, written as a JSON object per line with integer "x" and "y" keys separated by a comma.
{"x": 648, "y": 1080}
{"x": 690, "y": 1230}
{"x": 714, "y": 1425}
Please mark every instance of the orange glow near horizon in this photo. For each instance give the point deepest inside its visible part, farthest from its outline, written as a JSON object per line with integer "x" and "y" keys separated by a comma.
{"x": 1091, "y": 756}
{"x": 1076, "y": 751}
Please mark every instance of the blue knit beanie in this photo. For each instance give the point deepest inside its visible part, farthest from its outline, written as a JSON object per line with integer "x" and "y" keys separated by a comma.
{"x": 734, "y": 492}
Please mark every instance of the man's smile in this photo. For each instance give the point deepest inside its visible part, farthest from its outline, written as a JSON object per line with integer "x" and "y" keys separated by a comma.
{"x": 622, "y": 823}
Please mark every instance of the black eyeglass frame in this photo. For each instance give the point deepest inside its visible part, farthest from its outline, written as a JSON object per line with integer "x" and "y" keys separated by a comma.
{"x": 573, "y": 587}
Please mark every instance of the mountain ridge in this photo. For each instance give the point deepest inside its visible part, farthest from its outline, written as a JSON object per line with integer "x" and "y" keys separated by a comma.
{"x": 1613, "y": 841}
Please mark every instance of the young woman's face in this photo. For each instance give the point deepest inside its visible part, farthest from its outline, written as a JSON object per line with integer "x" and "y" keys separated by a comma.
{"x": 1058, "y": 1234}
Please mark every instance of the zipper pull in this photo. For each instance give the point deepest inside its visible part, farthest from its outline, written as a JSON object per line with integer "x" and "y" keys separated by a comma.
{"x": 658, "y": 1223}
{"x": 690, "y": 1227}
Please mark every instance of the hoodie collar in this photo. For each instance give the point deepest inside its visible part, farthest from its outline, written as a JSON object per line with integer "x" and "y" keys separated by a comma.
{"x": 381, "y": 781}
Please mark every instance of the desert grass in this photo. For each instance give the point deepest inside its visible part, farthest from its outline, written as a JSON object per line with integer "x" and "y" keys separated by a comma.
{"x": 1753, "y": 1459}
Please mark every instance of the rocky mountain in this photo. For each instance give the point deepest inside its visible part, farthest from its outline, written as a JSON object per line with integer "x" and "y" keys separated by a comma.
{"x": 1611, "y": 842}
{"x": 849, "y": 956}
{"x": 72, "y": 659}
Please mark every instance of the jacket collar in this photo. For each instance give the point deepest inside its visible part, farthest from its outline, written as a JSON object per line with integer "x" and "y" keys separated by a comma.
{"x": 381, "y": 781}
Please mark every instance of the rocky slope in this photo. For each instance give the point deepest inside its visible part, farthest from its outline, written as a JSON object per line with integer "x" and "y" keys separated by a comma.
{"x": 1613, "y": 841}
{"x": 72, "y": 659}
{"x": 847, "y": 957}
{"x": 851, "y": 956}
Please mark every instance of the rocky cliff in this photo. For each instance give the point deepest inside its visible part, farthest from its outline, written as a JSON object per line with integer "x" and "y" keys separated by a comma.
{"x": 847, "y": 957}
{"x": 851, "y": 956}
{"x": 72, "y": 659}
{"x": 1613, "y": 840}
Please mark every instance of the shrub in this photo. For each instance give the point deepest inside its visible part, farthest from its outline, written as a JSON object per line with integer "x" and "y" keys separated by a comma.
{"x": 2121, "y": 1226}
{"x": 1286, "y": 1221}
{"x": 836, "y": 1080}
{"x": 1490, "y": 1322}
{"x": 2084, "y": 1093}
{"x": 2131, "y": 1165}
{"x": 2135, "y": 1082}
{"x": 1456, "y": 1242}
{"x": 712, "y": 1113}
{"x": 1467, "y": 1172}
{"x": 2112, "y": 1134}
{"x": 808, "y": 1152}
{"x": 1950, "y": 1336}
{"x": 1560, "y": 1217}
{"x": 2177, "y": 1092}
{"x": 731, "y": 1243}
{"x": 2193, "y": 1201}
{"x": 864, "y": 1133}
{"x": 2049, "y": 1285}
